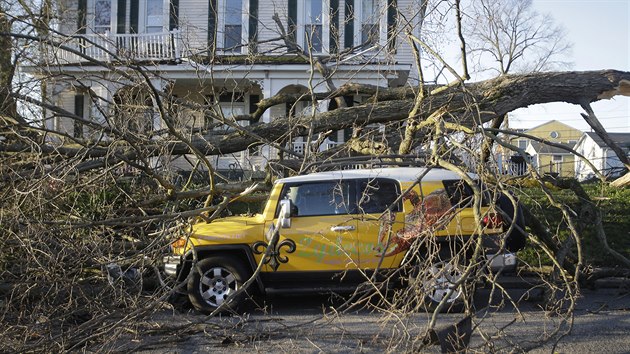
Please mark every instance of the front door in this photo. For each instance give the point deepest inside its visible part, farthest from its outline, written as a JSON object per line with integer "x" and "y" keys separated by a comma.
{"x": 323, "y": 227}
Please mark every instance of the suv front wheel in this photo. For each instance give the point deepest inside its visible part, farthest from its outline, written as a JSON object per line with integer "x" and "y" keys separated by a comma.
{"x": 213, "y": 281}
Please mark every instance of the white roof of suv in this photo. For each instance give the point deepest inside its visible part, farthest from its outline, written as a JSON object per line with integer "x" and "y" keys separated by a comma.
{"x": 401, "y": 174}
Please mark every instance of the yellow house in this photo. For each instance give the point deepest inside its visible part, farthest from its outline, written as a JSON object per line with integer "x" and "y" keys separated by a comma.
{"x": 550, "y": 159}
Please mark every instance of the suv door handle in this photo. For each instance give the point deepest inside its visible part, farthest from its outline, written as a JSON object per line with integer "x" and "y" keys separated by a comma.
{"x": 342, "y": 228}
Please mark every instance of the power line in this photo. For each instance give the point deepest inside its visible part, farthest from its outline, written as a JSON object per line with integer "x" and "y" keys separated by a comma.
{"x": 517, "y": 118}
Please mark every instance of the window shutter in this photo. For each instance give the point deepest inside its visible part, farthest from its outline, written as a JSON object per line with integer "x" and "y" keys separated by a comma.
{"x": 253, "y": 25}
{"x": 133, "y": 15}
{"x": 212, "y": 24}
{"x": 121, "y": 16}
{"x": 392, "y": 12}
{"x": 292, "y": 28}
{"x": 81, "y": 24}
{"x": 348, "y": 28}
{"x": 173, "y": 19}
{"x": 334, "y": 26}
{"x": 78, "y": 110}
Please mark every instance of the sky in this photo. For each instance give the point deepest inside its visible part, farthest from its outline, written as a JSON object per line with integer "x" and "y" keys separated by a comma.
{"x": 600, "y": 33}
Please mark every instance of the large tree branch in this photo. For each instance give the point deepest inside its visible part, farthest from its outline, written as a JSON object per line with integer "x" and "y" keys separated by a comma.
{"x": 494, "y": 97}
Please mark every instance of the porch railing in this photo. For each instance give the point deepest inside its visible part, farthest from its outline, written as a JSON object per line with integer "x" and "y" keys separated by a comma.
{"x": 299, "y": 146}
{"x": 113, "y": 47}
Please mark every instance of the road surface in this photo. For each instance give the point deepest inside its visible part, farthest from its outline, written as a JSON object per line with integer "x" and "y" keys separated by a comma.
{"x": 310, "y": 324}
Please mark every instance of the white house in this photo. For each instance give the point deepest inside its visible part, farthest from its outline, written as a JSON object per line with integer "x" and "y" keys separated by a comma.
{"x": 600, "y": 155}
{"x": 224, "y": 53}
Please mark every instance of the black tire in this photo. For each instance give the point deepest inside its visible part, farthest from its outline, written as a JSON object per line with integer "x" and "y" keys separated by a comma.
{"x": 517, "y": 238}
{"x": 213, "y": 280}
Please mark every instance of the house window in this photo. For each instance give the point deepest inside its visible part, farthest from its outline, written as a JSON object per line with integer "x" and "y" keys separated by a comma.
{"x": 313, "y": 19}
{"x": 232, "y": 34}
{"x": 522, "y": 144}
{"x": 231, "y": 104}
{"x": 556, "y": 158}
{"x": 366, "y": 22}
{"x": 154, "y": 16}
{"x": 128, "y": 16}
{"x": 309, "y": 24}
{"x": 232, "y": 26}
{"x": 370, "y": 22}
{"x": 102, "y": 15}
{"x": 554, "y": 134}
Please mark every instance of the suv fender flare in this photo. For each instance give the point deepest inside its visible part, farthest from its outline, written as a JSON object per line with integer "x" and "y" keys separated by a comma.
{"x": 242, "y": 252}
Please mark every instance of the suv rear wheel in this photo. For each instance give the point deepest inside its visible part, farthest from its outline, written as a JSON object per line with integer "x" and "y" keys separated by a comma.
{"x": 438, "y": 281}
{"x": 441, "y": 283}
{"x": 213, "y": 281}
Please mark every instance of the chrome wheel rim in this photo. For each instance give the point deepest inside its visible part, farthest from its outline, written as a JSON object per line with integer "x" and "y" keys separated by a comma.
{"x": 442, "y": 278}
{"x": 216, "y": 285}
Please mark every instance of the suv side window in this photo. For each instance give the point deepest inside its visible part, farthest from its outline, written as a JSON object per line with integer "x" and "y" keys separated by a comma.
{"x": 319, "y": 198}
{"x": 461, "y": 194}
{"x": 376, "y": 195}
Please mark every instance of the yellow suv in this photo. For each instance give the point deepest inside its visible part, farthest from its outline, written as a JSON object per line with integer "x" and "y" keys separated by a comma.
{"x": 335, "y": 227}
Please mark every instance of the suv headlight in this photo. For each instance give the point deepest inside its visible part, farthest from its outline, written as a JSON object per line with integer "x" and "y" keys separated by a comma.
{"x": 179, "y": 245}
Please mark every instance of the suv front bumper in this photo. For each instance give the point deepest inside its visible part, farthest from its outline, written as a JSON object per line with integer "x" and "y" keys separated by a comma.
{"x": 172, "y": 265}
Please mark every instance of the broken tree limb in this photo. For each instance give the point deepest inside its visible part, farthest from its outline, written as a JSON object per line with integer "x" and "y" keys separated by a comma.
{"x": 621, "y": 181}
{"x": 494, "y": 97}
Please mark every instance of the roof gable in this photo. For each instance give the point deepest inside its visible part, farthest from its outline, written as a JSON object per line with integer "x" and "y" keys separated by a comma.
{"x": 544, "y": 149}
{"x": 621, "y": 139}
{"x": 563, "y": 132}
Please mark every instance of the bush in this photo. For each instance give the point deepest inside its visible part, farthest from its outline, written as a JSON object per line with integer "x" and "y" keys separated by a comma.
{"x": 613, "y": 203}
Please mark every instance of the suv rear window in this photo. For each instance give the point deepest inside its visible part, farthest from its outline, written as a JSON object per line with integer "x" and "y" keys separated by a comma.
{"x": 376, "y": 195}
{"x": 460, "y": 193}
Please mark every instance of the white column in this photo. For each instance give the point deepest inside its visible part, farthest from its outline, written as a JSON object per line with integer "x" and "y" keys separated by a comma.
{"x": 159, "y": 85}
{"x": 266, "y": 151}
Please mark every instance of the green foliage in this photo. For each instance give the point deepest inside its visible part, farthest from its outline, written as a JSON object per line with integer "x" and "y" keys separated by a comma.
{"x": 614, "y": 204}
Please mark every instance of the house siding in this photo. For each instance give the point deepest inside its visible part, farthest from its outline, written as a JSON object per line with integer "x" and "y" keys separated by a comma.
{"x": 603, "y": 158}
{"x": 589, "y": 149}
{"x": 545, "y": 164}
{"x": 193, "y": 78}
{"x": 404, "y": 53}
{"x": 193, "y": 24}
{"x": 267, "y": 28}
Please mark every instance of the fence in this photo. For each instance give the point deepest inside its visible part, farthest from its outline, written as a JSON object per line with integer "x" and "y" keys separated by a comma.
{"x": 108, "y": 47}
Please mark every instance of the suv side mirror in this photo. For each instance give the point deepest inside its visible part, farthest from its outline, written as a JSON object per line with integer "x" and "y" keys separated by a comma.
{"x": 284, "y": 219}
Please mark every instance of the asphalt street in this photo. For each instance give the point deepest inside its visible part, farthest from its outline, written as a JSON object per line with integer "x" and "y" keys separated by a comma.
{"x": 601, "y": 324}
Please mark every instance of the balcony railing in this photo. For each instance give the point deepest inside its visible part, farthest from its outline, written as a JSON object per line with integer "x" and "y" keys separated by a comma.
{"x": 117, "y": 47}
{"x": 299, "y": 146}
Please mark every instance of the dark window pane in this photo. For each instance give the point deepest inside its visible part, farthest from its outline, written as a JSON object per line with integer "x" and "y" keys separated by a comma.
{"x": 102, "y": 15}
{"x": 369, "y": 33}
{"x": 232, "y": 38}
{"x": 461, "y": 194}
{"x": 233, "y": 12}
{"x": 322, "y": 198}
{"x": 314, "y": 37}
{"x": 375, "y": 196}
